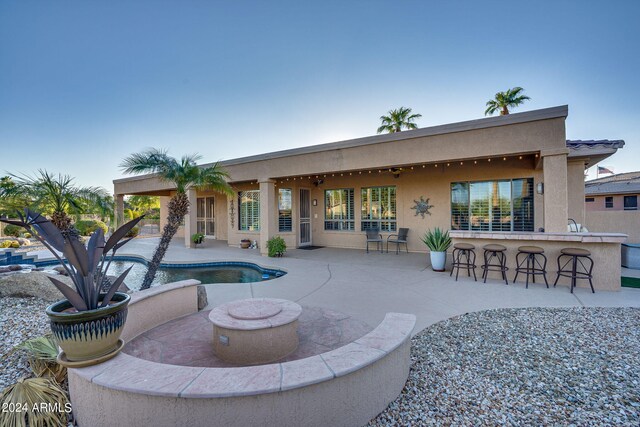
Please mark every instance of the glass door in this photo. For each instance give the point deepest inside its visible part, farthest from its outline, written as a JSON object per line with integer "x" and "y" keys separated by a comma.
{"x": 205, "y": 216}
{"x": 305, "y": 217}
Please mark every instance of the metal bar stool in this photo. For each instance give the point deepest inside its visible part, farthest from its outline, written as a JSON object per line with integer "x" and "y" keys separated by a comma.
{"x": 495, "y": 251}
{"x": 466, "y": 250}
{"x": 575, "y": 256}
{"x": 528, "y": 254}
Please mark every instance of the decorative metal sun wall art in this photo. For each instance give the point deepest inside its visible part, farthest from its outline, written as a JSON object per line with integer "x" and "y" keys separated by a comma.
{"x": 422, "y": 207}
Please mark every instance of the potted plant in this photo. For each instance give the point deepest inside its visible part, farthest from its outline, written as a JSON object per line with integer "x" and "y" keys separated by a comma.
{"x": 197, "y": 238}
{"x": 276, "y": 246}
{"x": 88, "y": 323}
{"x": 245, "y": 243}
{"x": 438, "y": 242}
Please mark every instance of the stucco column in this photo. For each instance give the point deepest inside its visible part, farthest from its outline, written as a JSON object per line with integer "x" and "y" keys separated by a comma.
{"x": 268, "y": 218}
{"x": 190, "y": 221}
{"x": 555, "y": 192}
{"x": 119, "y": 214}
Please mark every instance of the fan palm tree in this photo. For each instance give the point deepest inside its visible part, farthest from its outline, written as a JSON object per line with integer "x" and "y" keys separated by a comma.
{"x": 184, "y": 174}
{"x": 504, "y": 100}
{"x": 57, "y": 196}
{"x": 397, "y": 120}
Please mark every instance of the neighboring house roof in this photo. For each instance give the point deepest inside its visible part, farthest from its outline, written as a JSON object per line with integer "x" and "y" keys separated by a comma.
{"x": 622, "y": 183}
{"x": 576, "y": 144}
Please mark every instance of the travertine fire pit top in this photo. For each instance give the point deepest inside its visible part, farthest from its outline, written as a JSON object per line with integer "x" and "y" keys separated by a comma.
{"x": 255, "y": 313}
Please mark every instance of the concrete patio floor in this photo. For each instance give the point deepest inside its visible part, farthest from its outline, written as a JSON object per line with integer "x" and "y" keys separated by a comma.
{"x": 366, "y": 286}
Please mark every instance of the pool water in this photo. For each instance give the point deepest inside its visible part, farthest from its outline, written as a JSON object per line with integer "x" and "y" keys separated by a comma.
{"x": 211, "y": 274}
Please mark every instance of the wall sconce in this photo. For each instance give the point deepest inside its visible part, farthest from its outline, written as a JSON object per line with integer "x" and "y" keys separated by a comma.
{"x": 540, "y": 188}
{"x": 315, "y": 202}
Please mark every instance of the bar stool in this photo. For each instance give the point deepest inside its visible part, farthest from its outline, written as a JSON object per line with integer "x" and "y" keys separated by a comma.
{"x": 466, "y": 250}
{"x": 528, "y": 254}
{"x": 575, "y": 256}
{"x": 497, "y": 252}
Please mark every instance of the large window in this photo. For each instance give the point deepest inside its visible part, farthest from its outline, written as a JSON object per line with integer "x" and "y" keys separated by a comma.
{"x": 379, "y": 208}
{"x": 249, "y": 210}
{"x": 630, "y": 203}
{"x": 505, "y": 205}
{"x": 338, "y": 210}
{"x": 284, "y": 209}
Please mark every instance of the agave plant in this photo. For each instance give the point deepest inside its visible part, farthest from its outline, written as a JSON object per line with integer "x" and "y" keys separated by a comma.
{"x": 86, "y": 266}
{"x": 437, "y": 240}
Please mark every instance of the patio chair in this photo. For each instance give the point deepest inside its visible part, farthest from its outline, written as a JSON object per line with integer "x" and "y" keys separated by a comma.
{"x": 399, "y": 239}
{"x": 373, "y": 235}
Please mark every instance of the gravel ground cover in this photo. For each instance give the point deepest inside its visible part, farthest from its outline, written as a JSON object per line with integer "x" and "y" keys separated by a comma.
{"x": 20, "y": 319}
{"x": 564, "y": 366}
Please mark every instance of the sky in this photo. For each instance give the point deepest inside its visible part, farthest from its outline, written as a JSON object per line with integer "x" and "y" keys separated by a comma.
{"x": 85, "y": 83}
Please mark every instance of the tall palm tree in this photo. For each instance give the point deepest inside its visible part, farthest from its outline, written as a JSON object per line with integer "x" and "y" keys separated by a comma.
{"x": 397, "y": 120}
{"x": 57, "y": 196}
{"x": 184, "y": 174}
{"x": 504, "y": 100}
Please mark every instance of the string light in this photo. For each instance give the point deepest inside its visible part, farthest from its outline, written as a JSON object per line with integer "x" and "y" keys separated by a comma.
{"x": 488, "y": 160}
{"x": 448, "y": 164}
{"x": 504, "y": 158}
{"x": 475, "y": 162}
{"x": 461, "y": 163}
{"x": 520, "y": 157}
{"x": 424, "y": 166}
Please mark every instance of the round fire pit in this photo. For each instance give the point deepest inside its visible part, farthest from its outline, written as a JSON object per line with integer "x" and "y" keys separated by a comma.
{"x": 255, "y": 331}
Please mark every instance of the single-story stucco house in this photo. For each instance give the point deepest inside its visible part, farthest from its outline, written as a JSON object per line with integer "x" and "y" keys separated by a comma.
{"x": 509, "y": 173}
{"x": 612, "y": 205}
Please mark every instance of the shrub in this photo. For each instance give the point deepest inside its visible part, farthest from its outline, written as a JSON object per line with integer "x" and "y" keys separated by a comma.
{"x": 87, "y": 227}
{"x": 276, "y": 246}
{"x": 27, "y": 235}
{"x": 15, "y": 244}
{"x": 12, "y": 230}
{"x": 197, "y": 238}
{"x": 5, "y": 244}
{"x": 133, "y": 232}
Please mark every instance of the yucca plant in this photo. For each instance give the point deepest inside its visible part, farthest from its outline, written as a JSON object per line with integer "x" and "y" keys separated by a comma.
{"x": 36, "y": 402}
{"x": 42, "y": 352}
{"x": 437, "y": 240}
{"x": 86, "y": 266}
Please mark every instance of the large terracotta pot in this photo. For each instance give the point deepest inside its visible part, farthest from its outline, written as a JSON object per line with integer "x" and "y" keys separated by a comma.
{"x": 92, "y": 334}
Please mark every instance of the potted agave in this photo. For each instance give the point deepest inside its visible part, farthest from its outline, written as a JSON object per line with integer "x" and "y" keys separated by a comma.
{"x": 88, "y": 323}
{"x": 438, "y": 242}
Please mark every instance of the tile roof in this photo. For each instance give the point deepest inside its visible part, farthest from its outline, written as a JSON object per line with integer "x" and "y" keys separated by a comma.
{"x": 591, "y": 143}
{"x": 622, "y": 183}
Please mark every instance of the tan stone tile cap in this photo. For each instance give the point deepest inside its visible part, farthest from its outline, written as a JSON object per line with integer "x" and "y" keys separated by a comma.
{"x": 130, "y": 374}
{"x": 551, "y": 237}
{"x": 155, "y": 290}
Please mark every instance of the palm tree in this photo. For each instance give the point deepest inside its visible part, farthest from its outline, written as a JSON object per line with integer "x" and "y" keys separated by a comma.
{"x": 397, "y": 120}
{"x": 184, "y": 174}
{"x": 57, "y": 197}
{"x": 504, "y": 100}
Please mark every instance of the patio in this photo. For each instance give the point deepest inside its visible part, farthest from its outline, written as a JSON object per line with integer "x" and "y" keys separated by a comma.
{"x": 366, "y": 286}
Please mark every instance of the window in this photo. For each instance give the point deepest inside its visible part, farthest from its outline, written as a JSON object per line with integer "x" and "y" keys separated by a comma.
{"x": 608, "y": 202}
{"x": 505, "y": 205}
{"x": 338, "y": 210}
{"x": 249, "y": 210}
{"x": 284, "y": 209}
{"x": 589, "y": 199}
{"x": 630, "y": 203}
{"x": 379, "y": 208}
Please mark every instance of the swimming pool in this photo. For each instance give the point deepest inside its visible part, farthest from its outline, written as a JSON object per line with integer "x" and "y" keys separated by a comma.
{"x": 213, "y": 272}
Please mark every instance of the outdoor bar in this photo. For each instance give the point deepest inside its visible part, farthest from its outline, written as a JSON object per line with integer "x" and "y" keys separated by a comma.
{"x": 605, "y": 249}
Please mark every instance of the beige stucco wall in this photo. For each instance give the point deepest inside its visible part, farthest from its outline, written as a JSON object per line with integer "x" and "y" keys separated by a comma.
{"x": 575, "y": 190}
{"x": 615, "y": 221}
{"x": 430, "y": 182}
{"x": 598, "y": 203}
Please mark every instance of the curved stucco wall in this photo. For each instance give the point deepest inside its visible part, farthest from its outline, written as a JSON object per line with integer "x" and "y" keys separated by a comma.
{"x": 344, "y": 387}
